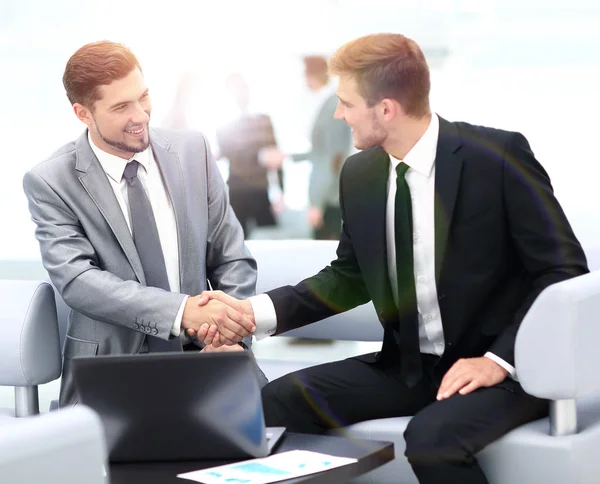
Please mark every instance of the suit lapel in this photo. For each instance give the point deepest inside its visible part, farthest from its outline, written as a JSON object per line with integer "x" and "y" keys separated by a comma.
{"x": 170, "y": 169}
{"x": 375, "y": 185}
{"x": 448, "y": 167}
{"x": 96, "y": 184}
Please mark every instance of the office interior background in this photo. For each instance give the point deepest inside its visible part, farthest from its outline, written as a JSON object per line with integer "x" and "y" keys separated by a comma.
{"x": 526, "y": 65}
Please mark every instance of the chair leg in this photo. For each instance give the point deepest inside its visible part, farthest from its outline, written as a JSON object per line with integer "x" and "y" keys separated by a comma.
{"x": 26, "y": 401}
{"x": 563, "y": 417}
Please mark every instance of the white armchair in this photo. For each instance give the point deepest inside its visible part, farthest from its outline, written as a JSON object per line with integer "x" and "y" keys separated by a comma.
{"x": 29, "y": 347}
{"x": 65, "y": 447}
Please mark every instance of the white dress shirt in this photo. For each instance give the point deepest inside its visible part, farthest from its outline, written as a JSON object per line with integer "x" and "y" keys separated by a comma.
{"x": 151, "y": 179}
{"x": 420, "y": 178}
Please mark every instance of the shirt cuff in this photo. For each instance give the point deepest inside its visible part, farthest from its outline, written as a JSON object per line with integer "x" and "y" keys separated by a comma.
{"x": 512, "y": 371}
{"x": 265, "y": 317}
{"x": 176, "y": 329}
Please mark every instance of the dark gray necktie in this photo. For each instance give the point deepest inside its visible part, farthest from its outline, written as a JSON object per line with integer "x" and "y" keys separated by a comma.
{"x": 147, "y": 243}
{"x": 408, "y": 329}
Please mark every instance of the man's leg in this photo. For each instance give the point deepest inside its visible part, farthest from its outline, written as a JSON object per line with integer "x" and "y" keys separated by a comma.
{"x": 443, "y": 438}
{"x": 336, "y": 394}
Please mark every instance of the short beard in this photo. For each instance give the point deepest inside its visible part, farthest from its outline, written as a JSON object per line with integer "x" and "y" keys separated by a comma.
{"x": 377, "y": 136}
{"x": 123, "y": 146}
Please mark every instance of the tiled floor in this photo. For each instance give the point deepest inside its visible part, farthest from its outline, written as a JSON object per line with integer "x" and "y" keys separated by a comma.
{"x": 271, "y": 348}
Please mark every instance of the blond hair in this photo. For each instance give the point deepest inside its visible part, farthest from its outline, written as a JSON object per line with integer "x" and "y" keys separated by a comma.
{"x": 386, "y": 66}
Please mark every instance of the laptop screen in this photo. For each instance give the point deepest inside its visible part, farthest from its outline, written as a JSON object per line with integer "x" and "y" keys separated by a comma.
{"x": 175, "y": 406}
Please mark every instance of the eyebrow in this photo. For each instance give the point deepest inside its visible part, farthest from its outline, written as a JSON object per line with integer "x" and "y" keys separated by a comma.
{"x": 342, "y": 100}
{"x": 122, "y": 103}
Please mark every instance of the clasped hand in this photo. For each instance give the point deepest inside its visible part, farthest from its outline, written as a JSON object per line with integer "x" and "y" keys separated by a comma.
{"x": 218, "y": 319}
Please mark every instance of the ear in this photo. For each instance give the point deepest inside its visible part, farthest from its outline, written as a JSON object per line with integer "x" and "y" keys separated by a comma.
{"x": 84, "y": 114}
{"x": 388, "y": 109}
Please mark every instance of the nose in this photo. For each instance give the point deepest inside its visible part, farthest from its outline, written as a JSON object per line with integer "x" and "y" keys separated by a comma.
{"x": 141, "y": 115}
{"x": 338, "y": 114}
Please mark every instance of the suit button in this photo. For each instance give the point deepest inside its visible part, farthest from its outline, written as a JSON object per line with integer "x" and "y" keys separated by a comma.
{"x": 136, "y": 326}
{"x": 155, "y": 331}
{"x": 147, "y": 329}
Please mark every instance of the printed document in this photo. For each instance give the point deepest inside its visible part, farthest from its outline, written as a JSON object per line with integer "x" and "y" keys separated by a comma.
{"x": 277, "y": 467}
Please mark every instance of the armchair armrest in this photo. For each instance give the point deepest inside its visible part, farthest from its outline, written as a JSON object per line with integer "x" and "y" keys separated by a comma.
{"x": 556, "y": 351}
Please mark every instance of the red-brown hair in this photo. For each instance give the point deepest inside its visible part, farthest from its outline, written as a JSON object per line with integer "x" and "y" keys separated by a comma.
{"x": 93, "y": 65}
{"x": 386, "y": 66}
{"x": 316, "y": 66}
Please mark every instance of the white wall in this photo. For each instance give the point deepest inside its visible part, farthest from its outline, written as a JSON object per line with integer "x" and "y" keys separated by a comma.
{"x": 527, "y": 65}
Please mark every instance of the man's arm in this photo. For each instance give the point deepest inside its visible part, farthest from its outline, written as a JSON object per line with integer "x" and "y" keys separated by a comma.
{"x": 548, "y": 248}
{"x": 540, "y": 232}
{"x": 73, "y": 266}
{"x": 335, "y": 289}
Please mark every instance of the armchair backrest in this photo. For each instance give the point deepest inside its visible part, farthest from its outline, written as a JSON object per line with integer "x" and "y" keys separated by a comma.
{"x": 29, "y": 347}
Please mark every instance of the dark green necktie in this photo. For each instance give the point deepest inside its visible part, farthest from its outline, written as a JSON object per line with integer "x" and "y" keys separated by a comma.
{"x": 408, "y": 329}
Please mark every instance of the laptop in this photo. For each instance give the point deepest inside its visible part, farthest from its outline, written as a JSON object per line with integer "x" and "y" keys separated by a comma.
{"x": 177, "y": 406}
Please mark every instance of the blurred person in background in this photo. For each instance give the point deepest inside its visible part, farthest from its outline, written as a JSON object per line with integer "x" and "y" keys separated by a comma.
{"x": 178, "y": 115}
{"x": 133, "y": 221}
{"x": 248, "y": 142}
{"x": 330, "y": 144}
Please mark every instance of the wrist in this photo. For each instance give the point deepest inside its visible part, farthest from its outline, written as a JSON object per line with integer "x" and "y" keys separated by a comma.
{"x": 186, "y": 318}
{"x": 249, "y": 311}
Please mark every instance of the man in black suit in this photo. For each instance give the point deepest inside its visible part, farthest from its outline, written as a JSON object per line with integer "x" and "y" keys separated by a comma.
{"x": 452, "y": 230}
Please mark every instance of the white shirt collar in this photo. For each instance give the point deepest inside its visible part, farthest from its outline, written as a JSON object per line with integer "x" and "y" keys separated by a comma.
{"x": 114, "y": 166}
{"x": 421, "y": 157}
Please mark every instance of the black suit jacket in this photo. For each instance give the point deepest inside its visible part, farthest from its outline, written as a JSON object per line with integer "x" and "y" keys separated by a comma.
{"x": 501, "y": 237}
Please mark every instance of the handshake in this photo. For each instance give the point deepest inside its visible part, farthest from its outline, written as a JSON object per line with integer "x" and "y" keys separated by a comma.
{"x": 218, "y": 319}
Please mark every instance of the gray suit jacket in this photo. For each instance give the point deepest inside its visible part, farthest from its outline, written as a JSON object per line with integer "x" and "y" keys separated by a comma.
{"x": 90, "y": 256}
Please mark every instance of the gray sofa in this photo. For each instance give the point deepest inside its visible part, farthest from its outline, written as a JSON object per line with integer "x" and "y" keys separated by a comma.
{"x": 559, "y": 450}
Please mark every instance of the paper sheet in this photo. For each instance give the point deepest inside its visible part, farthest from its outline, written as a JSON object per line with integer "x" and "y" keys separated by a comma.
{"x": 277, "y": 467}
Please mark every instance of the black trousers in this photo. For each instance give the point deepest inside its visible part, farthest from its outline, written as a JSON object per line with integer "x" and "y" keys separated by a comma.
{"x": 251, "y": 207}
{"x": 441, "y": 439}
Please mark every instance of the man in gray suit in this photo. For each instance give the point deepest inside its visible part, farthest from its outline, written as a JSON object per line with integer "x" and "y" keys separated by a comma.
{"x": 330, "y": 143}
{"x": 132, "y": 222}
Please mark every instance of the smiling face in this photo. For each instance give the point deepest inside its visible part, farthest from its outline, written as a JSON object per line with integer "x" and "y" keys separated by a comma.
{"x": 118, "y": 120}
{"x": 367, "y": 129}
